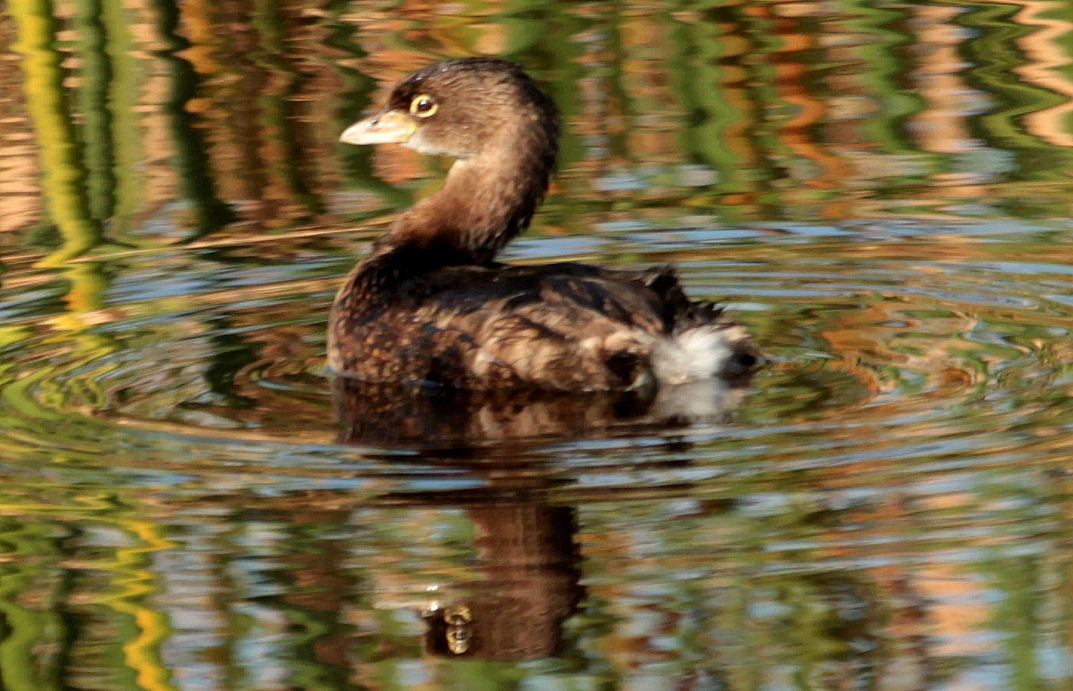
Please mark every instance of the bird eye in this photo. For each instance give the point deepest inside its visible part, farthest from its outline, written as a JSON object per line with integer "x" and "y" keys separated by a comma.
{"x": 423, "y": 106}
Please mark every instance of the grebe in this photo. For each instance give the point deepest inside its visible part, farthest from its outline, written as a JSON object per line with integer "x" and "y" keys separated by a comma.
{"x": 429, "y": 305}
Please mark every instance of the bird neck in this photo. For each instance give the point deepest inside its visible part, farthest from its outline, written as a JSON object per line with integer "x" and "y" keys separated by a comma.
{"x": 485, "y": 202}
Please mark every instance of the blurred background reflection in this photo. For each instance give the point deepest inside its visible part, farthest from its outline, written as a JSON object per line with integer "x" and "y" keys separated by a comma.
{"x": 880, "y": 191}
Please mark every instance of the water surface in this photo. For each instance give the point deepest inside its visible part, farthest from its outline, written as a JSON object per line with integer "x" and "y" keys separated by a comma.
{"x": 880, "y": 193}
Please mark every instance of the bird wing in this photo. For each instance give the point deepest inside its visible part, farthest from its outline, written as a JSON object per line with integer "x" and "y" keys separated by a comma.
{"x": 563, "y": 326}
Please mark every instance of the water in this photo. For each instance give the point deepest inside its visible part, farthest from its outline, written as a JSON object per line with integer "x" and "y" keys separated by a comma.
{"x": 880, "y": 193}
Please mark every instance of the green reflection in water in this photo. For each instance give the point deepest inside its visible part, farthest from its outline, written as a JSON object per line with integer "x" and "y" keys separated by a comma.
{"x": 882, "y": 49}
{"x": 145, "y": 626}
{"x": 277, "y": 117}
{"x": 998, "y": 57}
{"x": 208, "y": 213}
{"x": 29, "y": 629}
{"x": 64, "y": 178}
{"x": 756, "y": 92}
{"x": 796, "y": 113}
{"x": 127, "y": 127}
{"x": 94, "y": 90}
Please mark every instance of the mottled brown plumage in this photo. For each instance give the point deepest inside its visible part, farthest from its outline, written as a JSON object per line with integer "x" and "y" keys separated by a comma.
{"x": 429, "y": 305}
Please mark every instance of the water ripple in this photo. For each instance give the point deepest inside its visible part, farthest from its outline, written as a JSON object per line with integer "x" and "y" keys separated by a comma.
{"x": 907, "y": 350}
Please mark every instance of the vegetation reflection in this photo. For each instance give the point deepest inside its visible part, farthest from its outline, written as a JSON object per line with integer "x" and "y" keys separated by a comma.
{"x": 140, "y": 138}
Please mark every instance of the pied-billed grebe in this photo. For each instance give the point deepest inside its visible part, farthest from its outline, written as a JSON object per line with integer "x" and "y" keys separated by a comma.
{"x": 430, "y": 305}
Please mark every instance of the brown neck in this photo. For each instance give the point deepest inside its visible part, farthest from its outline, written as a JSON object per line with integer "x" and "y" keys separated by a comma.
{"x": 484, "y": 203}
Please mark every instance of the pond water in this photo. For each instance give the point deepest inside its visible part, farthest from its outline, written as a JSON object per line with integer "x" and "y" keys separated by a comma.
{"x": 881, "y": 192}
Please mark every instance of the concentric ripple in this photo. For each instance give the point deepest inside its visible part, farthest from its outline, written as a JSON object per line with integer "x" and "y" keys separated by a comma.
{"x": 902, "y": 346}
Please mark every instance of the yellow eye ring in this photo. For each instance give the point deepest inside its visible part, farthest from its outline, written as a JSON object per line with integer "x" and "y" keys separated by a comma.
{"x": 423, "y": 106}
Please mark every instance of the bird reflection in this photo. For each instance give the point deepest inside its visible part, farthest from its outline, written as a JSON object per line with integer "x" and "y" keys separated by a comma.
{"x": 436, "y": 418}
{"x": 529, "y": 564}
{"x": 528, "y": 558}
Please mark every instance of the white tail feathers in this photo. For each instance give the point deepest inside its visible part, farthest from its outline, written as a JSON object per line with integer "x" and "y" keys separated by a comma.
{"x": 699, "y": 353}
